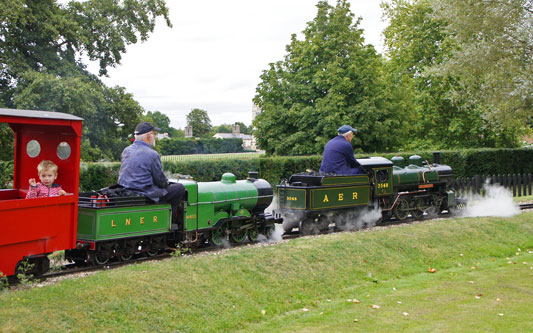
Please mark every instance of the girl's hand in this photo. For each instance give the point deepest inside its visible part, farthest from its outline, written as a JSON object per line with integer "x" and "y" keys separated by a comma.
{"x": 62, "y": 192}
{"x": 32, "y": 182}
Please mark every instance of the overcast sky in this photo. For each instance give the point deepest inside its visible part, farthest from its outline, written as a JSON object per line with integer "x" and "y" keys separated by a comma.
{"x": 215, "y": 52}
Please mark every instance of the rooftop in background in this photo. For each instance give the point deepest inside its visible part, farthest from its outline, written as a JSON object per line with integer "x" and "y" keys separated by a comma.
{"x": 233, "y": 136}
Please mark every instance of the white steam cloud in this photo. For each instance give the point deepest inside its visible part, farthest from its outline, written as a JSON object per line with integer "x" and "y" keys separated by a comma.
{"x": 498, "y": 201}
{"x": 275, "y": 236}
{"x": 357, "y": 220}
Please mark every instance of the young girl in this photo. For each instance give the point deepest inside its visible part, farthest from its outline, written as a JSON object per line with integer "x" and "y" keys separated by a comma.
{"x": 46, "y": 188}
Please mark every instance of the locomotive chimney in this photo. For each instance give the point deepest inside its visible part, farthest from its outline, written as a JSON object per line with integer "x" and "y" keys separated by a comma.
{"x": 436, "y": 157}
{"x": 252, "y": 175}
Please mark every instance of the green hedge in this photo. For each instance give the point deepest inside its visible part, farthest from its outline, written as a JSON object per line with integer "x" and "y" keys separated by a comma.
{"x": 471, "y": 162}
{"x": 201, "y": 146}
{"x": 465, "y": 163}
{"x": 205, "y": 171}
{"x": 94, "y": 175}
{"x": 275, "y": 169}
{"x": 6, "y": 174}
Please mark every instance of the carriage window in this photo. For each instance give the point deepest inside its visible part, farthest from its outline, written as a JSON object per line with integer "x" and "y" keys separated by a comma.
{"x": 63, "y": 150}
{"x": 382, "y": 175}
{"x": 33, "y": 148}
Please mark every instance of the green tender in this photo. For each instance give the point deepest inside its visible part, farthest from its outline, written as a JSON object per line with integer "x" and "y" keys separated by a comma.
{"x": 96, "y": 224}
{"x": 339, "y": 197}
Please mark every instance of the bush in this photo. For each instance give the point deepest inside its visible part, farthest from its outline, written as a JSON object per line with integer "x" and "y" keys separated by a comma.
{"x": 205, "y": 171}
{"x": 94, "y": 176}
{"x": 202, "y": 146}
{"x": 275, "y": 169}
{"x": 6, "y": 174}
{"x": 471, "y": 162}
{"x": 465, "y": 163}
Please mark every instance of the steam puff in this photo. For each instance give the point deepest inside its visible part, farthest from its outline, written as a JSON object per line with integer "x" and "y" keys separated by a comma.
{"x": 498, "y": 201}
{"x": 357, "y": 220}
{"x": 276, "y": 236}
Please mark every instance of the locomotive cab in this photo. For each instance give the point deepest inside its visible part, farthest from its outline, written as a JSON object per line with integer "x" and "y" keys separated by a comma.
{"x": 380, "y": 171}
{"x": 49, "y": 223}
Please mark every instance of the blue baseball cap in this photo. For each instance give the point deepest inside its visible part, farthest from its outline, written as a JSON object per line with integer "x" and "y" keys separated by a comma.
{"x": 345, "y": 129}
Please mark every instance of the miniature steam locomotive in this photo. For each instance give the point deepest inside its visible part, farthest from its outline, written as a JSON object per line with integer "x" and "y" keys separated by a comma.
{"x": 317, "y": 200}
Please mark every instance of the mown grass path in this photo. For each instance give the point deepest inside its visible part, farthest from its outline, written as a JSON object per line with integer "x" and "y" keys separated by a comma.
{"x": 304, "y": 285}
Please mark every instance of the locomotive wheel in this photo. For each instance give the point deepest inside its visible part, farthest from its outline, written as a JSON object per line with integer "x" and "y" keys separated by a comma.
{"x": 101, "y": 258}
{"x": 238, "y": 236}
{"x": 308, "y": 227}
{"x": 420, "y": 206}
{"x": 126, "y": 257}
{"x": 401, "y": 210}
{"x": 268, "y": 231}
{"x": 151, "y": 253}
{"x": 323, "y": 223}
{"x": 253, "y": 234}
{"x": 217, "y": 236}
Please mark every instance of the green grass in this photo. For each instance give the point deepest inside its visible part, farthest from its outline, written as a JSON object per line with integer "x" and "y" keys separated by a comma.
{"x": 229, "y": 291}
{"x": 528, "y": 198}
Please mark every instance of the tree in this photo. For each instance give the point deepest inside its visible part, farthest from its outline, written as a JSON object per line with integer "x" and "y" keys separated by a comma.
{"x": 199, "y": 120}
{"x": 42, "y": 35}
{"x": 328, "y": 79}
{"x": 224, "y": 128}
{"x": 163, "y": 121}
{"x": 492, "y": 58}
{"x": 227, "y": 128}
{"x": 110, "y": 114}
{"x": 41, "y": 48}
{"x": 416, "y": 41}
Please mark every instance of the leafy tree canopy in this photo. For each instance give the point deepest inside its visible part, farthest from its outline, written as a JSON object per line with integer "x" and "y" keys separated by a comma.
{"x": 224, "y": 128}
{"x": 199, "y": 120}
{"x": 227, "y": 128}
{"x": 493, "y": 57}
{"x": 41, "y": 48}
{"x": 163, "y": 121}
{"x": 445, "y": 115}
{"x": 328, "y": 79}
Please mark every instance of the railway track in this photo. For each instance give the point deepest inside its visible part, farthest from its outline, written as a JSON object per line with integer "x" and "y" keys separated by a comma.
{"x": 526, "y": 206}
{"x": 71, "y": 269}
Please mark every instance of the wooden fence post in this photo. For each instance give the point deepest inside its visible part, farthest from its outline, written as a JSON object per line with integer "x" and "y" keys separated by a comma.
{"x": 529, "y": 183}
{"x": 512, "y": 178}
{"x": 477, "y": 182}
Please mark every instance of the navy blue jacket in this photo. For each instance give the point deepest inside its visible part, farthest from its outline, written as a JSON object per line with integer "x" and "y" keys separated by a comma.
{"x": 141, "y": 171}
{"x": 339, "y": 158}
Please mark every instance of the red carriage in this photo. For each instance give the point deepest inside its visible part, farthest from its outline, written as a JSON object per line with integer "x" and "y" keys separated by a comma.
{"x": 30, "y": 229}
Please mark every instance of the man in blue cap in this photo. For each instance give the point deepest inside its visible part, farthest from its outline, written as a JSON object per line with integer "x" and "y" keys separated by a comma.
{"x": 141, "y": 171}
{"x": 338, "y": 154}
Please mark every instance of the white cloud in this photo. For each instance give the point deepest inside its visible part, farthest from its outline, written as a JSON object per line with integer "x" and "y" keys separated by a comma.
{"x": 214, "y": 54}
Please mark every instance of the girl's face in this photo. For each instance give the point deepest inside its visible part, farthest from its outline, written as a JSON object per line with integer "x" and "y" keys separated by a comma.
{"x": 47, "y": 177}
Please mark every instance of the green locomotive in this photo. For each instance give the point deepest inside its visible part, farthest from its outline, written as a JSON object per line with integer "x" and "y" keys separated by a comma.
{"x": 215, "y": 212}
{"x": 315, "y": 200}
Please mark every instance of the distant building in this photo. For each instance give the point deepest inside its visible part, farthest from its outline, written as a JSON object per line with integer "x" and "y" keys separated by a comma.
{"x": 161, "y": 136}
{"x": 248, "y": 141}
{"x": 188, "y": 131}
{"x": 256, "y": 110}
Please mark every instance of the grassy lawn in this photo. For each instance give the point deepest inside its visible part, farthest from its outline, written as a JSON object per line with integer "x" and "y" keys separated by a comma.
{"x": 528, "y": 198}
{"x": 481, "y": 284}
